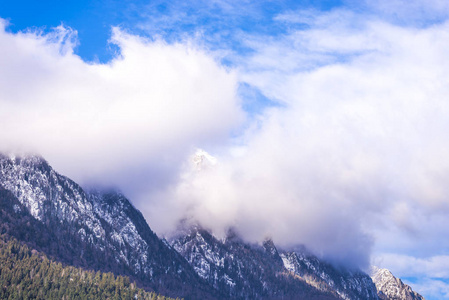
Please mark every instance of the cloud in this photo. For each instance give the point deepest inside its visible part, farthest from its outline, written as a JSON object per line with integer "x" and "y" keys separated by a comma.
{"x": 434, "y": 289}
{"x": 409, "y": 13}
{"x": 129, "y": 122}
{"x": 411, "y": 266}
{"x": 356, "y": 145}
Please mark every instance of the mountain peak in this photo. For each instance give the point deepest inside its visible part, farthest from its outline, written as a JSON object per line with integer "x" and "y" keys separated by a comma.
{"x": 37, "y": 186}
{"x": 390, "y": 287}
{"x": 201, "y": 159}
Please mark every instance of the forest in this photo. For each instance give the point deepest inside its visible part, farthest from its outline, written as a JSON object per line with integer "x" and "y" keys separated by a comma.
{"x": 28, "y": 274}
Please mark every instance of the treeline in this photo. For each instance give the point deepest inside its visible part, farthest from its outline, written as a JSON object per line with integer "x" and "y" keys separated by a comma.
{"x": 28, "y": 274}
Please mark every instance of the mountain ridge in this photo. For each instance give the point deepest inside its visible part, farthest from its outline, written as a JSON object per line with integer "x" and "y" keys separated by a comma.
{"x": 102, "y": 230}
{"x": 230, "y": 260}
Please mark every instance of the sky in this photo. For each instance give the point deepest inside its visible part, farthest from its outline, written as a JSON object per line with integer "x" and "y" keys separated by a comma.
{"x": 321, "y": 123}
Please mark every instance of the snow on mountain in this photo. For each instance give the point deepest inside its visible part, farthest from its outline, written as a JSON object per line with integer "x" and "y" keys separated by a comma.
{"x": 114, "y": 208}
{"x": 392, "y": 288}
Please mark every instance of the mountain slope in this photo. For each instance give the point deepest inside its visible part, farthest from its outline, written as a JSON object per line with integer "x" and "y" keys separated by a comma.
{"x": 392, "y": 288}
{"x": 101, "y": 231}
{"x": 63, "y": 244}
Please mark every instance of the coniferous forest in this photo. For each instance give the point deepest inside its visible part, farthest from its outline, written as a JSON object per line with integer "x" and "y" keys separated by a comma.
{"x": 29, "y": 274}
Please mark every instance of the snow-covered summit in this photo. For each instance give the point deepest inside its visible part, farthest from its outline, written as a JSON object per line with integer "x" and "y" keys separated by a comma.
{"x": 201, "y": 159}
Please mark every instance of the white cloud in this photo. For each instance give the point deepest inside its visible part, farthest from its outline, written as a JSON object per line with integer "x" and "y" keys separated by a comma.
{"x": 130, "y": 122}
{"x": 357, "y": 145}
{"x": 410, "y": 266}
{"x": 433, "y": 289}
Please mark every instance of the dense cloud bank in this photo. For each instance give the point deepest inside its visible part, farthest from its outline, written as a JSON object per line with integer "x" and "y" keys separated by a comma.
{"x": 355, "y": 153}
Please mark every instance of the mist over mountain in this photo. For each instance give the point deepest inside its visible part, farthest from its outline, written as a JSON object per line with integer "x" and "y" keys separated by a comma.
{"x": 259, "y": 203}
{"x": 101, "y": 230}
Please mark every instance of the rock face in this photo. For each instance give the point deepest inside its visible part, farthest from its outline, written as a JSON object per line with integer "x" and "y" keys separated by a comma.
{"x": 392, "y": 288}
{"x": 101, "y": 230}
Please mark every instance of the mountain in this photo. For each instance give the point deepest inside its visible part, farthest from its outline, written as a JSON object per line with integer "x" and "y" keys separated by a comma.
{"x": 102, "y": 231}
{"x": 247, "y": 271}
{"x": 240, "y": 270}
{"x": 99, "y": 230}
{"x": 392, "y": 288}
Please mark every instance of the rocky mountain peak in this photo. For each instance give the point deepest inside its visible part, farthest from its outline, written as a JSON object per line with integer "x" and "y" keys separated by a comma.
{"x": 392, "y": 288}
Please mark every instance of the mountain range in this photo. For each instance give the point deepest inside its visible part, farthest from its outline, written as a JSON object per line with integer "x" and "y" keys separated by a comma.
{"x": 101, "y": 230}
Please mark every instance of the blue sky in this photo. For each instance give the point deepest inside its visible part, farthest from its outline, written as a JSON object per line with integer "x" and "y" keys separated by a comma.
{"x": 172, "y": 20}
{"x": 328, "y": 119}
